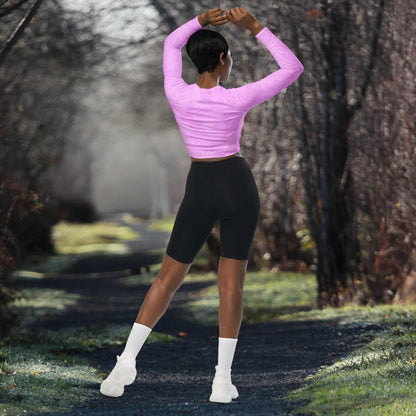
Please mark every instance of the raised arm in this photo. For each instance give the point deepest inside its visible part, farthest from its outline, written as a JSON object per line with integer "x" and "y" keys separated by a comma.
{"x": 172, "y": 55}
{"x": 176, "y": 40}
{"x": 257, "y": 92}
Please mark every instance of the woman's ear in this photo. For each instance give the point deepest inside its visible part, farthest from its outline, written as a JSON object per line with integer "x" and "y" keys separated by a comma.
{"x": 222, "y": 58}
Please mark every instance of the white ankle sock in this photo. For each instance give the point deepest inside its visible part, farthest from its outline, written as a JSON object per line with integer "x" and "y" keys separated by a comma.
{"x": 226, "y": 349}
{"x": 135, "y": 341}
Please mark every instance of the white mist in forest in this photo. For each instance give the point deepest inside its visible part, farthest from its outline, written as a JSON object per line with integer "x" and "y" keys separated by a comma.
{"x": 125, "y": 151}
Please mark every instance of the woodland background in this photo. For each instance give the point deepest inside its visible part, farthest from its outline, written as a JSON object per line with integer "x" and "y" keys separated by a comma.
{"x": 333, "y": 154}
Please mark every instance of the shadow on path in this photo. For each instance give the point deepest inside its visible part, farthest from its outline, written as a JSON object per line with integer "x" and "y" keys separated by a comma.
{"x": 174, "y": 378}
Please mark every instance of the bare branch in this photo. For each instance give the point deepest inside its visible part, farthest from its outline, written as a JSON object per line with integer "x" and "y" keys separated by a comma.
{"x": 19, "y": 30}
{"x": 8, "y": 10}
{"x": 373, "y": 55}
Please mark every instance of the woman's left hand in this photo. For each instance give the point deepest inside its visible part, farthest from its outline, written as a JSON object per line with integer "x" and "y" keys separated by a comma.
{"x": 215, "y": 17}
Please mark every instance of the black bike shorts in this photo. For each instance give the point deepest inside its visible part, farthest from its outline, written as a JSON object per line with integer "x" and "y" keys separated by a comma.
{"x": 221, "y": 191}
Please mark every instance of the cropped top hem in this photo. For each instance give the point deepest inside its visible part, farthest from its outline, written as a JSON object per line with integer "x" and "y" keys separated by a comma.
{"x": 215, "y": 153}
{"x": 211, "y": 119}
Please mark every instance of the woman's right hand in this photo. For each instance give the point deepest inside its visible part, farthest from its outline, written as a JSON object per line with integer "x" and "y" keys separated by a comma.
{"x": 241, "y": 17}
{"x": 215, "y": 17}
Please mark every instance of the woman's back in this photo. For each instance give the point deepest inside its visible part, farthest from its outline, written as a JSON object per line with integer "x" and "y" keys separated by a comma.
{"x": 211, "y": 119}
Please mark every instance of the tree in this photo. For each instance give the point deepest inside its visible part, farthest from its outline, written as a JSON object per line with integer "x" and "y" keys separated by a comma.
{"x": 37, "y": 106}
{"x": 383, "y": 140}
{"x": 331, "y": 92}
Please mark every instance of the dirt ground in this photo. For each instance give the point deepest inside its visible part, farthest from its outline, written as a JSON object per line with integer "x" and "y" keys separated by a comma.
{"x": 174, "y": 378}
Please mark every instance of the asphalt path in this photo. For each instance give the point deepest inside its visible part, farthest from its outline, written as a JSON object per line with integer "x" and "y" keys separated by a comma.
{"x": 174, "y": 378}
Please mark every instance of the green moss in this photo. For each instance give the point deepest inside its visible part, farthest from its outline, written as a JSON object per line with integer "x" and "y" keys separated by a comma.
{"x": 44, "y": 371}
{"x": 101, "y": 237}
{"x": 267, "y": 296}
{"x": 377, "y": 379}
{"x": 74, "y": 241}
{"x": 161, "y": 224}
{"x": 34, "y": 304}
{"x": 43, "y": 383}
{"x": 35, "y": 379}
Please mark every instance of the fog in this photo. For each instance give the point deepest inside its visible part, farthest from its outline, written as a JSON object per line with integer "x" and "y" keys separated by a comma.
{"x": 125, "y": 151}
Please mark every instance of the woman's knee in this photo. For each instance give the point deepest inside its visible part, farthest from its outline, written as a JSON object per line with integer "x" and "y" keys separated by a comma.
{"x": 229, "y": 293}
{"x": 171, "y": 274}
{"x": 166, "y": 285}
{"x": 231, "y": 289}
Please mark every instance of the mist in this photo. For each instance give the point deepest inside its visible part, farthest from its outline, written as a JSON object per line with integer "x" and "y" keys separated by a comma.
{"x": 125, "y": 151}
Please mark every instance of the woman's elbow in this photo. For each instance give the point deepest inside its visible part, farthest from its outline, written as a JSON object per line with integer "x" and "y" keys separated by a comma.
{"x": 167, "y": 43}
{"x": 299, "y": 68}
{"x": 170, "y": 41}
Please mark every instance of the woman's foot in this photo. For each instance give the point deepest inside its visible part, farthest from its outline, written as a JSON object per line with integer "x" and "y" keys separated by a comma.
{"x": 123, "y": 373}
{"x": 223, "y": 391}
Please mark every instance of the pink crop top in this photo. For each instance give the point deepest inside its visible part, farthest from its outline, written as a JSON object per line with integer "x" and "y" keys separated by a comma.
{"x": 211, "y": 119}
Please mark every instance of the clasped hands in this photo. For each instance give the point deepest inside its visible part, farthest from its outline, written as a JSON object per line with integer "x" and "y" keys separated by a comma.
{"x": 238, "y": 15}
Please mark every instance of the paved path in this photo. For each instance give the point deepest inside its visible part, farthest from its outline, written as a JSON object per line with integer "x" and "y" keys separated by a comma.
{"x": 174, "y": 377}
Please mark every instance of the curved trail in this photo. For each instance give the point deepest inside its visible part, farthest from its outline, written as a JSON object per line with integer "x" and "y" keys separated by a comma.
{"x": 174, "y": 378}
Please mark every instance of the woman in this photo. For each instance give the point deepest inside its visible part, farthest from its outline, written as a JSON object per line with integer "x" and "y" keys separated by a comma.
{"x": 219, "y": 188}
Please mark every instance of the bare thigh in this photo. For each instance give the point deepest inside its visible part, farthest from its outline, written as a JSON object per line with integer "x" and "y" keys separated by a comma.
{"x": 170, "y": 276}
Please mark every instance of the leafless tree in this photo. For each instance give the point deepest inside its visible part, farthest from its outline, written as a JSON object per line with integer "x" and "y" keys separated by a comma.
{"x": 37, "y": 106}
{"x": 383, "y": 150}
{"x": 6, "y": 8}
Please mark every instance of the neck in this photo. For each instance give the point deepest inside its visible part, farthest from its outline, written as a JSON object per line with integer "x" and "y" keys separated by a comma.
{"x": 208, "y": 79}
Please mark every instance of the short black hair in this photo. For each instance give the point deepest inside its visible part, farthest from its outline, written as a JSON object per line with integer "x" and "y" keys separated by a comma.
{"x": 204, "y": 48}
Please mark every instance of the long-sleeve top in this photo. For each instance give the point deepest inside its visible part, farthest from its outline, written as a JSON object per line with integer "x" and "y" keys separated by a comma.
{"x": 211, "y": 119}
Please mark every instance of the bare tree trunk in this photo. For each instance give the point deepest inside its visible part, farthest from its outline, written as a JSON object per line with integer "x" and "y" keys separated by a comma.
{"x": 329, "y": 186}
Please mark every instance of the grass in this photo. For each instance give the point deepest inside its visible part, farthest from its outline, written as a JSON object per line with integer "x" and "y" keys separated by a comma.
{"x": 73, "y": 241}
{"x": 36, "y": 304}
{"x": 97, "y": 237}
{"x": 377, "y": 379}
{"x": 267, "y": 296}
{"x": 161, "y": 224}
{"x": 44, "y": 371}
